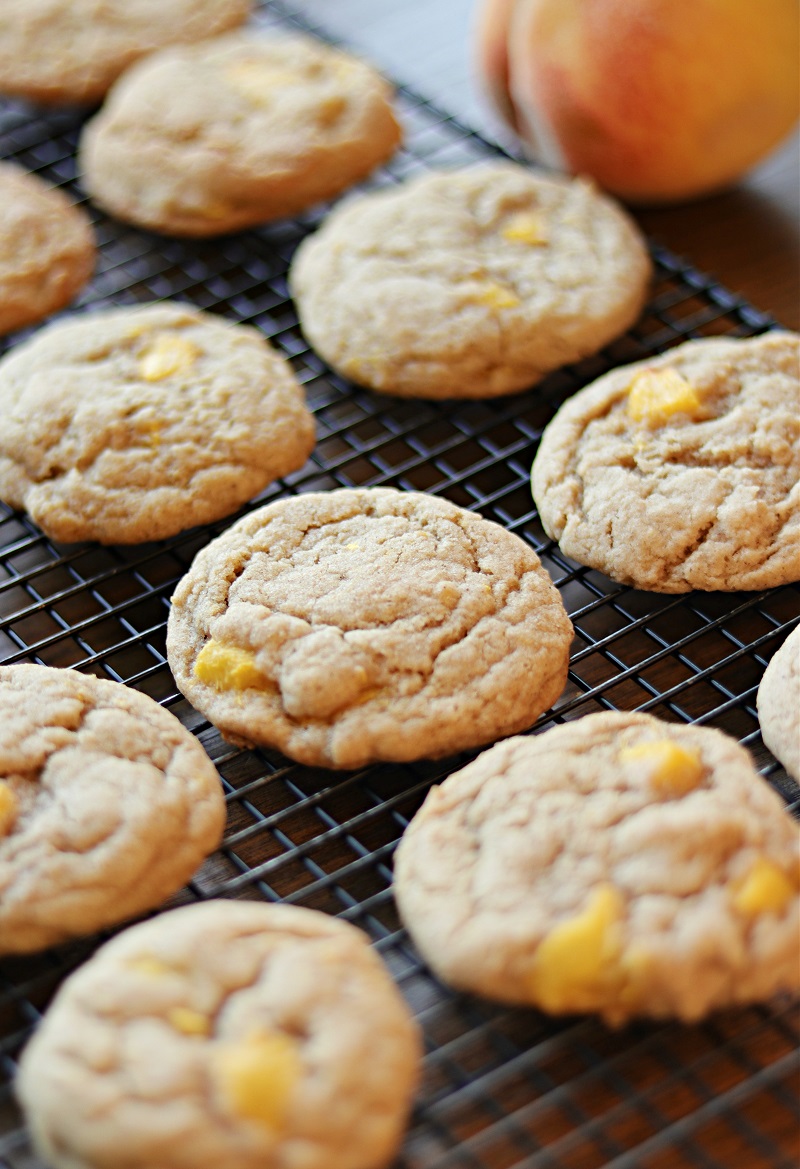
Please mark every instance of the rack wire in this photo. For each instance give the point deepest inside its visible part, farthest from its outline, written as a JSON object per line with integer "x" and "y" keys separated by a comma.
{"x": 502, "y": 1089}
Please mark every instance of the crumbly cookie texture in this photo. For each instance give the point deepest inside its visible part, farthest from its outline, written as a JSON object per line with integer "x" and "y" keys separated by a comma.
{"x": 133, "y": 424}
{"x": 351, "y": 626}
{"x": 232, "y": 1033}
{"x": 47, "y": 250}
{"x": 682, "y": 472}
{"x": 616, "y": 864}
{"x": 779, "y": 704}
{"x": 107, "y": 805}
{"x": 61, "y": 51}
{"x": 217, "y": 137}
{"x": 469, "y": 284}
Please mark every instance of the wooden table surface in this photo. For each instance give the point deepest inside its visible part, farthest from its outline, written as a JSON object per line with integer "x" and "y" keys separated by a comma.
{"x": 747, "y": 237}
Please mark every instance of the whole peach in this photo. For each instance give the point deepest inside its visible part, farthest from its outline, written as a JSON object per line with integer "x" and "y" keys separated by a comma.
{"x": 658, "y": 100}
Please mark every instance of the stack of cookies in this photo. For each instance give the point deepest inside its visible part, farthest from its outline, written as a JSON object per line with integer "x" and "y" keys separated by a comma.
{"x": 616, "y": 864}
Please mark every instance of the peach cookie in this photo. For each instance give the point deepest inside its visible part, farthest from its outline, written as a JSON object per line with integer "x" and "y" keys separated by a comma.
{"x": 134, "y": 424}
{"x": 216, "y": 137}
{"x": 615, "y": 864}
{"x": 469, "y": 284}
{"x": 72, "y": 50}
{"x": 682, "y": 472}
{"x": 107, "y": 805}
{"x": 779, "y": 704}
{"x": 230, "y": 1033}
{"x": 351, "y": 626}
{"x": 47, "y": 249}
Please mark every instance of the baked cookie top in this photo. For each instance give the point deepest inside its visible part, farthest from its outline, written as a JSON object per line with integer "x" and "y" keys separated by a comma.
{"x": 215, "y": 137}
{"x": 107, "y": 805}
{"x": 232, "y": 1033}
{"x": 615, "y": 864}
{"x": 469, "y": 284}
{"x": 681, "y": 472}
{"x": 350, "y": 626}
{"x": 779, "y": 704}
{"x": 55, "y": 51}
{"x": 47, "y": 250}
{"x": 133, "y": 424}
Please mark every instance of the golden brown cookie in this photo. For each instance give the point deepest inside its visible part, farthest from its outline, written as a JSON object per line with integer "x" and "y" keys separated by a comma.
{"x": 60, "y": 51}
{"x": 230, "y": 1034}
{"x": 107, "y": 805}
{"x": 615, "y": 864}
{"x": 133, "y": 424}
{"x": 351, "y": 626}
{"x": 469, "y": 284}
{"x": 681, "y": 472}
{"x": 215, "y": 137}
{"x": 47, "y": 250}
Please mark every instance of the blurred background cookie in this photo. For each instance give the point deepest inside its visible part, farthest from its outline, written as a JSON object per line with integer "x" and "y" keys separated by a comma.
{"x": 60, "y": 51}
{"x": 779, "y": 704}
{"x": 107, "y": 805}
{"x": 469, "y": 284}
{"x": 682, "y": 472}
{"x": 47, "y": 250}
{"x": 216, "y": 137}
{"x": 133, "y": 424}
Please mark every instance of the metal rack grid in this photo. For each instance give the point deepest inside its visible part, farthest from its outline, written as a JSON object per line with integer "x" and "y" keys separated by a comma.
{"x": 502, "y": 1089}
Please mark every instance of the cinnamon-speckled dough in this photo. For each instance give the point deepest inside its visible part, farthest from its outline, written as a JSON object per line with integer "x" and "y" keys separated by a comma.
{"x": 107, "y": 805}
{"x": 518, "y": 843}
{"x": 215, "y": 137}
{"x": 779, "y": 704}
{"x": 93, "y": 450}
{"x": 124, "y": 1072}
{"x": 469, "y": 284}
{"x": 711, "y": 502}
{"x": 55, "y": 51}
{"x": 47, "y": 250}
{"x": 375, "y": 624}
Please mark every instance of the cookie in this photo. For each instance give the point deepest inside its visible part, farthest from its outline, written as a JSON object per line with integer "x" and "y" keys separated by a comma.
{"x": 233, "y": 1033}
{"x": 352, "y": 626}
{"x": 778, "y": 704}
{"x": 57, "y": 51}
{"x": 616, "y": 864}
{"x": 107, "y": 805}
{"x": 133, "y": 424}
{"x": 469, "y": 284}
{"x": 681, "y": 472}
{"x": 216, "y": 137}
{"x": 47, "y": 250}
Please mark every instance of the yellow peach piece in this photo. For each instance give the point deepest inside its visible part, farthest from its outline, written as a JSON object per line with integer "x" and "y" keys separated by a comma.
{"x": 227, "y": 667}
{"x": 576, "y": 967}
{"x": 657, "y": 394}
{"x": 151, "y": 966}
{"x": 765, "y": 889}
{"x": 258, "y": 83}
{"x": 671, "y": 769}
{"x": 8, "y": 808}
{"x": 189, "y": 1022}
{"x": 167, "y": 354}
{"x": 255, "y": 1078}
{"x": 526, "y": 228}
{"x": 495, "y": 296}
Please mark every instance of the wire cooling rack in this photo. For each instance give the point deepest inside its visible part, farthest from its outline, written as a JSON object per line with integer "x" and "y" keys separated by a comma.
{"x": 502, "y": 1089}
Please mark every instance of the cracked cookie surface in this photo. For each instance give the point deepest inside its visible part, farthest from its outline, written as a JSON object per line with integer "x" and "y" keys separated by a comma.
{"x": 241, "y": 130}
{"x": 469, "y": 284}
{"x": 56, "y": 51}
{"x": 134, "y": 424}
{"x": 107, "y": 805}
{"x": 615, "y": 864}
{"x": 356, "y": 625}
{"x": 779, "y": 704}
{"x": 47, "y": 250}
{"x": 232, "y": 1033}
{"x": 682, "y": 472}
